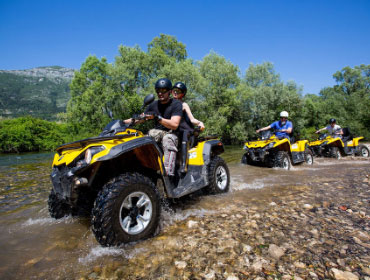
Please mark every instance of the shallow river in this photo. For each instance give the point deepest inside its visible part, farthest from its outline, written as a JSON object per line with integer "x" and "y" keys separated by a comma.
{"x": 35, "y": 246}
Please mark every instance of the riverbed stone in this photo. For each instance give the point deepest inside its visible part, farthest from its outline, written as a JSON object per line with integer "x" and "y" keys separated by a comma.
{"x": 342, "y": 275}
{"x": 275, "y": 251}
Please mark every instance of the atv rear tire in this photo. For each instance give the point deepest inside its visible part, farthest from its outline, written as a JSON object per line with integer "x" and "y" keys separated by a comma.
{"x": 127, "y": 209}
{"x": 308, "y": 156}
{"x": 58, "y": 207}
{"x": 363, "y": 151}
{"x": 282, "y": 160}
{"x": 218, "y": 176}
{"x": 334, "y": 152}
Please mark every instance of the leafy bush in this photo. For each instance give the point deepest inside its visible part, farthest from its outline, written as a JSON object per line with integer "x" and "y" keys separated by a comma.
{"x": 31, "y": 134}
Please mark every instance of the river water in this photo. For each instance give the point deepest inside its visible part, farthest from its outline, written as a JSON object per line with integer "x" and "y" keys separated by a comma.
{"x": 35, "y": 246}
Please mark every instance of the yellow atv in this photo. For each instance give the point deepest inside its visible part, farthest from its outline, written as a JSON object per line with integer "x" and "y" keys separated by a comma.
{"x": 119, "y": 177}
{"x": 271, "y": 151}
{"x": 330, "y": 146}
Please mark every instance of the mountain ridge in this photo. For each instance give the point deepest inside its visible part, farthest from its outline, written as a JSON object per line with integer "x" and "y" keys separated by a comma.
{"x": 41, "y": 92}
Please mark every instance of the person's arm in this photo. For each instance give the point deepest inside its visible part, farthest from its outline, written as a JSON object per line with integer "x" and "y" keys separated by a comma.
{"x": 172, "y": 123}
{"x": 321, "y": 129}
{"x": 263, "y": 129}
{"x": 288, "y": 130}
{"x": 193, "y": 120}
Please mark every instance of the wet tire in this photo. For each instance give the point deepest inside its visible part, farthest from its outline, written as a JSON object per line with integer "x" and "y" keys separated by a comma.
{"x": 127, "y": 209}
{"x": 334, "y": 152}
{"x": 282, "y": 160}
{"x": 246, "y": 159}
{"x": 363, "y": 151}
{"x": 58, "y": 207}
{"x": 218, "y": 176}
{"x": 308, "y": 156}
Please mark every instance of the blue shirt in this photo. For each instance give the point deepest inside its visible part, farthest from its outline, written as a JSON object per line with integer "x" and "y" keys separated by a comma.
{"x": 278, "y": 126}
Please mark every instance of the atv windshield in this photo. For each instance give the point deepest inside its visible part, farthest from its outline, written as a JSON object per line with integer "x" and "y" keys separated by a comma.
{"x": 322, "y": 136}
{"x": 266, "y": 134}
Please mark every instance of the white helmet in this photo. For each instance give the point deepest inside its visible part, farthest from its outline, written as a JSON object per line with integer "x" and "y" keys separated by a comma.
{"x": 284, "y": 114}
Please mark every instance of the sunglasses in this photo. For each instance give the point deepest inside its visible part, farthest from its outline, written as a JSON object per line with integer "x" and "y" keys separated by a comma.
{"x": 162, "y": 90}
{"x": 177, "y": 91}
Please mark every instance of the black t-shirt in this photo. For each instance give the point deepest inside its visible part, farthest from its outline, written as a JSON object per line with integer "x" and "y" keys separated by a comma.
{"x": 172, "y": 108}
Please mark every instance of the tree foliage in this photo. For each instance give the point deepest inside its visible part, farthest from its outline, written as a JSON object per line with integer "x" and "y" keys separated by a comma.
{"x": 230, "y": 105}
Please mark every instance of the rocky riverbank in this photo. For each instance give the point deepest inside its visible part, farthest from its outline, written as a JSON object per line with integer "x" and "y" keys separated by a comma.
{"x": 318, "y": 230}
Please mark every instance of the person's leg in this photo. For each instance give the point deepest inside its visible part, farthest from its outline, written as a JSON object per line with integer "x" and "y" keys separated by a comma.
{"x": 157, "y": 134}
{"x": 169, "y": 144}
{"x": 184, "y": 150}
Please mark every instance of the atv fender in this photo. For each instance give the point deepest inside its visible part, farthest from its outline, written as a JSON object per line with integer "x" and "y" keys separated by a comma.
{"x": 212, "y": 148}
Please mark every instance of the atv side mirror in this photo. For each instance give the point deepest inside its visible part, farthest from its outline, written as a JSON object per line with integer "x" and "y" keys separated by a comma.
{"x": 148, "y": 99}
{"x": 110, "y": 114}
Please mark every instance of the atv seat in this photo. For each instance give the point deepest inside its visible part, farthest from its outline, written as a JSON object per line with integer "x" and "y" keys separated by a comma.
{"x": 347, "y": 136}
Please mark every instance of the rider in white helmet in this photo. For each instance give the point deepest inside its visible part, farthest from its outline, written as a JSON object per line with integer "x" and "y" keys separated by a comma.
{"x": 283, "y": 127}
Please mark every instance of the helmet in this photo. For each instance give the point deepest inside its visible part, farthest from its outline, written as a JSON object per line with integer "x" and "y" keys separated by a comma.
{"x": 181, "y": 86}
{"x": 163, "y": 83}
{"x": 284, "y": 114}
{"x": 332, "y": 121}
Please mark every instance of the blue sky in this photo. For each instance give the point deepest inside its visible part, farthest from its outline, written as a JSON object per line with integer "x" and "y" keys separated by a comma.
{"x": 307, "y": 41}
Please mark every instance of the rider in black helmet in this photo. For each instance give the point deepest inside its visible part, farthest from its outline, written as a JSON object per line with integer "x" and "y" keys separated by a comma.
{"x": 333, "y": 129}
{"x": 167, "y": 113}
{"x": 187, "y": 122}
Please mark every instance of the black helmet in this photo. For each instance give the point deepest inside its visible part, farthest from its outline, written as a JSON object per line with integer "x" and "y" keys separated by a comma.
{"x": 181, "y": 86}
{"x": 332, "y": 121}
{"x": 163, "y": 83}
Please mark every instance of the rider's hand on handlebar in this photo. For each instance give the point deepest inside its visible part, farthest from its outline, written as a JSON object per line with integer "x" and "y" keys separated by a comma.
{"x": 149, "y": 116}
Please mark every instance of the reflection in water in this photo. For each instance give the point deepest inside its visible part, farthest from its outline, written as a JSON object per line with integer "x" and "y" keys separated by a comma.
{"x": 37, "y": 246}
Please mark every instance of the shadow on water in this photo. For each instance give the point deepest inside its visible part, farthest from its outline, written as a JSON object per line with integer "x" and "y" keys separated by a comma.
{"x": 35, "y": 246}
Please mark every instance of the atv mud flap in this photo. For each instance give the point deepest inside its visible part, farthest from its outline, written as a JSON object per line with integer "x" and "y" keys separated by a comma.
{"x": 349, "y": 150}
{"x": 297, "y": 157}
{"x": 195, "y": 179}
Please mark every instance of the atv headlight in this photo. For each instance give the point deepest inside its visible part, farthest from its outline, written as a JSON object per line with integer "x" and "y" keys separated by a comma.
{"x": 90, "y": 152}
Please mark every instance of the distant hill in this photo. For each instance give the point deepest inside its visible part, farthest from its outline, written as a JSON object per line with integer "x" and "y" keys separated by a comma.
{"x": 41, "y": 92}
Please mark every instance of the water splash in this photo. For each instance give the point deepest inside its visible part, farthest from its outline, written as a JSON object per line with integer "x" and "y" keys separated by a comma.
{"x": 98, "y": 252}
{"x": 238, "y": 185}
{"x": 47, "y": 221}
{"x": 171, "y": 217}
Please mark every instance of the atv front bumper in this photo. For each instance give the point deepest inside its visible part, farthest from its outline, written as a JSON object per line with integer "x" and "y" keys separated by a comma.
{"x": 65, "y": 181}
{"x": 257, "y": 154}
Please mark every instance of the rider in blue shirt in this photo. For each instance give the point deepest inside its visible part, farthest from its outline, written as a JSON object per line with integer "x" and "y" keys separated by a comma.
{"x": 283, "y": 126}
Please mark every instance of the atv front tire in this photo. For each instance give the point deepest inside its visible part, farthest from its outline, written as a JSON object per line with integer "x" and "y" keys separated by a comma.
{"x": 218, "y": 176}
{"x": 282, "y": 160}
{"x": 246, "y": 159}
{"x": 363, "y": 151}
{"x": 127, "y": 209}
{"x": 308, "y": 156}
{"x": 58, "y": 207}
{"x": 334, "y": 152}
